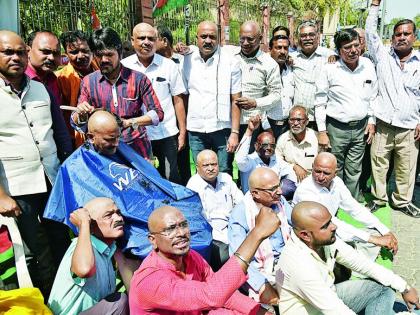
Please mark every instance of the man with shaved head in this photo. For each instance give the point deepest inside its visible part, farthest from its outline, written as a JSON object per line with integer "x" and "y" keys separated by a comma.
{"x": 85, "y": 281}
{"x": 169, "y": 136}
{"x": 219, "y": 194}
{"x": 264, "y": 191}
{"x": 213, "y": 82}
{"x": 28, "y": 161}
{"x": 329, "y": 190}
{"x": 174, "y": 279}
{"x": 263, "y": 157}
{"x": 305, "y": 277}
{"x": 261, "y": 83}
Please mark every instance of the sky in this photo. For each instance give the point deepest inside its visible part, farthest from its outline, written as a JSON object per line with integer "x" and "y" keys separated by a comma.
{"x": 401, "y": 8}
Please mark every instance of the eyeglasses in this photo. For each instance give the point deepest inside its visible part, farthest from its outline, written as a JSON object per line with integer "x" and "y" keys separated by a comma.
{"x": 270, "y": 190}
{"x": 299, "y": 120}
{"x": 267, "y": 145}
{"x": 11, "y": 52}
{"x": 171, "y": 230}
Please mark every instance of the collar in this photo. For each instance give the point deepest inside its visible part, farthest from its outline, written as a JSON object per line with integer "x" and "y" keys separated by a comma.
{"x": 259, "y": 55}
{"x": 102, "y": 247}
{"x": 33, "y": 75}
{"x": 257, "y": 158}
{"x": 123, "y": 75}
{"x": 5, "y": 84}
{"x": 360, "y": 65}
{"x": 159, "y": 262}
{"x": 319, "y": 187}
{"x": 157, "y": 60}
{"x": 414, "y": 54}
{"x": 316, "y": 52}
{"x": 196, "y": 55}
{"x": 291, "y": 137}
{"x": 203, "y": 184}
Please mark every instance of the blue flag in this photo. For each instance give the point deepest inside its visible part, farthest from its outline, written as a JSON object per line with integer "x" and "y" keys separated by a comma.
{"x": 136, "y": 188}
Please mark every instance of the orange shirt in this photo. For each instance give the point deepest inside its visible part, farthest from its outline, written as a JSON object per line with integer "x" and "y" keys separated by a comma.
{"x": 69, "y": 84}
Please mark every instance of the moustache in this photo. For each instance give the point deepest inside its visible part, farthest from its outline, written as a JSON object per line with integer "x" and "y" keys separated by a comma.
{"x": 49, "y": 63}
{"x": 180, "y": 239}
{"x": 208, "y": 46}
{"x": 118, "y": 223}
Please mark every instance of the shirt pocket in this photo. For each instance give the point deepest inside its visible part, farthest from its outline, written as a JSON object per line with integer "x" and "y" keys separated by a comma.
{"x": 130, "y": 107}
{"x": 38, "y": 111}
{"x": 161, "y": 89}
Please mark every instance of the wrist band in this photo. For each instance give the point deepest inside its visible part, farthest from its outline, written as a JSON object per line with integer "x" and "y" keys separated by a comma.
{"x": 235, "y": 131}
{"x": 242, "y": 259}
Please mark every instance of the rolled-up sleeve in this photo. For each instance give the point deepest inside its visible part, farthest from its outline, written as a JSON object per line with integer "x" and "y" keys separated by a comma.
{"x": 153, "y": 109}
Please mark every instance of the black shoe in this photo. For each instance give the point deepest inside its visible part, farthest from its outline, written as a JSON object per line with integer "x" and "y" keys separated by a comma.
{"x": 410, "y": 210}
{"x": 373, "y": 206}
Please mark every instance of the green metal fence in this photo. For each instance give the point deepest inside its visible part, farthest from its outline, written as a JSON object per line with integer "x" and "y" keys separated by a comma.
{"x": 64, "y": 15}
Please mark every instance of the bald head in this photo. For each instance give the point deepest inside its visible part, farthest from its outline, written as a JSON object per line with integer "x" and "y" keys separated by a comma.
{"x": 143, "y": 41}
{"x": 206, "y": 25}
{"x": 13, "y": 67}
{"x": 265, "y": 136}
{"x": 305, "y": 212}
{"x": 324, "y": 169}
{"x": 260, "y": 176}
{"x": 103, "y": 132}
{"x": 207, "y": 39}
{"x": 265, "y": 146}
{"x": 96, "y": 206}
{"x": 326, "y": 158}
{"x": 250, "y": 38}
{"x": 205, "y": 154}
{"x": 158, "y": 217}
{"x": 250, "y": 26}
{"x": 208, "y": 166}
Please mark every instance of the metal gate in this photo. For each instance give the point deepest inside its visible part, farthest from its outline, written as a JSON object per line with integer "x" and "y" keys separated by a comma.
{"x": 65, "y": 15}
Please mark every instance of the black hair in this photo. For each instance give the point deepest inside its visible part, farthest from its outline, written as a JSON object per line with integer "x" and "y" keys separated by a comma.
{"x": 31, "y": 36}
{"x": 105, "y": 38}
{"x": 72, "y": 37}
{"x": 405, "y": 21}
{"x": 281, "y": 28}
{"x": 164, "y": 32}
{"x": 346, "y": 35}
{"x": 275, "y": 38}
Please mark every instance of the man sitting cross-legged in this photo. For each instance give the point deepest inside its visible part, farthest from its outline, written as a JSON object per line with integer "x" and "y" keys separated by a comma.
{"x": 85, "y": 281}
{"x": 305, "y": 280}
{"x": 176, "y": 280}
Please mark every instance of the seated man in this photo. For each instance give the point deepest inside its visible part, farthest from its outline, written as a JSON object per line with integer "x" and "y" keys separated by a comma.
{"x": 104, "y": 166}
{"x": 263, "y": 157}
{"x": 264, "y": 191}
{"x": 329, "y": 190}
{"x": 176, "y": 280}
{"x": 85, "y": 281}
{"x": 218, "y": 194}
{"x": 306, "y": 280}
{"x": 299, "y": 145}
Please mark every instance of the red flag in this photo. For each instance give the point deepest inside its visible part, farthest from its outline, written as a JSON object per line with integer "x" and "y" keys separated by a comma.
{"x": 94, "y": 20}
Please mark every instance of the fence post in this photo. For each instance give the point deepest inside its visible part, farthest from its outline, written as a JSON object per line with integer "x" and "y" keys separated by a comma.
{"x": 144, "y": 11}
{"x": 223, "y": 10}
{"x": 266, "y": 26}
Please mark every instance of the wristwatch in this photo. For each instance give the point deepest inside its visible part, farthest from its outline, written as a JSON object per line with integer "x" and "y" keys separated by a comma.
{"x": 134, "y": 124}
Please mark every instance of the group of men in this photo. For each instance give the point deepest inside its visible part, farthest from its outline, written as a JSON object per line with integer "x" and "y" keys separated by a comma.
{"x": 277, "y": 238}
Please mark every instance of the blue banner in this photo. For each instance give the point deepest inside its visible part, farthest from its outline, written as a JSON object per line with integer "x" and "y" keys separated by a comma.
{"x": 136, "y": 188}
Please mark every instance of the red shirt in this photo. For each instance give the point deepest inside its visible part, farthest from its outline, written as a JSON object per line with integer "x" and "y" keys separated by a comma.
{"x": 158, "y": 288}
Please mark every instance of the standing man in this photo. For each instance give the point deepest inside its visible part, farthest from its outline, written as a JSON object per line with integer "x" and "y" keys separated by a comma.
{"x": 167, "y": 139}
{"x": 213, "y": 81}
{"x": 345, "y": 94}
{"x": 261, "y": 83}
{"x": 277, "y": 115}
{"x": 164, "y": 47}
{"x": 299, "y": 145}
{"x": 76, "y": 47}
{"x": 308, "y": 61}
{"x": 219, "y": 194}
{"x": 119, "y": 90}
{"x": 28, "y": 162}
{"x": 44, "y": 58}
{"x": 397, "y": 112}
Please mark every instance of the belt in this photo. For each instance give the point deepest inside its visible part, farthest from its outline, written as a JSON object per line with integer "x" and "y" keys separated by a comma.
{"x": 353, "y": 123}
{"x": 277, "y": 122}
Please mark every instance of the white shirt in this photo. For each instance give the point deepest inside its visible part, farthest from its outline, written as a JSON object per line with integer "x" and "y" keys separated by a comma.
{"x": 217, "y": 202}
{"x": 399, "y": 89}
{"x": 210, "y": 85}
{"x": 260, "y": 81}
{"x": 167, "y": 82}
{"x": 280, "y": 111}
{"x": 306, "y": 283}
{"x": 346, "y": 95}
{"x": 305, "y": 72}
{"x": 339, "y": 197}
{"x": 249, "y": 162}
{"x": 293, "y": 152}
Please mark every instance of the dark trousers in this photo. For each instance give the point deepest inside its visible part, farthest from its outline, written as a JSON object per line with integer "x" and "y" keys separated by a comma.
{"x": 114, "y": 304}
{"x": 166, "y": 150}
{"x": 278, "y": 129}
{"x": 184, "y": 166}
{"x": 219, "y": 254}
{"x": 46, "y": 241}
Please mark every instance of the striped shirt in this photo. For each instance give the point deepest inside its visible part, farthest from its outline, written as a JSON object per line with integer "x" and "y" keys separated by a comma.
{"x": 305, "y": 70}
{"x": 399, "y": 89}
{"x": 260, "y": 81}
{"x": 132, "y": 95}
